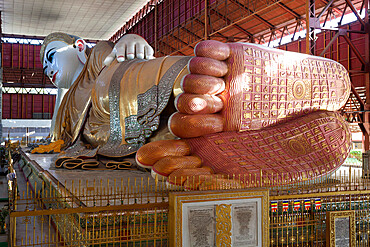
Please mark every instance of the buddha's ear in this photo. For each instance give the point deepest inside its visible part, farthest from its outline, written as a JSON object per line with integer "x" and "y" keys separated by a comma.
{"x": 81, "y": 46}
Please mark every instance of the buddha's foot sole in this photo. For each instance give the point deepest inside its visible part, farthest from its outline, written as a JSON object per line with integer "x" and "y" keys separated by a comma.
{"x": 305, "y": 148}
{"x": 261, "y": 87}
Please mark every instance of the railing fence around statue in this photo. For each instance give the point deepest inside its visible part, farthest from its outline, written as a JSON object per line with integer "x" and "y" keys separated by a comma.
{"x": 135, "y": 211}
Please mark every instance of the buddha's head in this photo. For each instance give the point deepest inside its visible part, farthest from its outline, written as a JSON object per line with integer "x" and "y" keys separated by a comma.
{"x": 63, "y": 57}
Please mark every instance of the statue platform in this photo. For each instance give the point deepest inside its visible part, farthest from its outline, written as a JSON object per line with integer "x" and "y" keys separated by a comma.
{"x": 39, "y": 170}
{"x": 46, "y": 162}
{"x": 85, "y": 180}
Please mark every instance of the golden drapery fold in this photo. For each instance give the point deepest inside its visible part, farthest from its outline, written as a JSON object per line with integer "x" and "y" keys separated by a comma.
{"x": 75, "y": 103}
{"x": 138, "y": 92}
{"x": 113, "y": 110}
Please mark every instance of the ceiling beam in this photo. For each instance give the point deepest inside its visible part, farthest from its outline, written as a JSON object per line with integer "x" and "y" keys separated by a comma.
{"x": 289, "y": 10}
{"x": 170, "y": 47}
{"x": 354, "y": 10}
{"x": 252, "y": 12}
{"x": 189, "y": 32}
{"x": 334, "y": 7}
{"x": 179, "y": 40}
{"x": 228, "y": 22}
{"x": 218, "y": 33}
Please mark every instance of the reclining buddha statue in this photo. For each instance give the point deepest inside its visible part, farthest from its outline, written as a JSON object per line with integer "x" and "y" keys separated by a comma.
{"x": 234, "y": 109}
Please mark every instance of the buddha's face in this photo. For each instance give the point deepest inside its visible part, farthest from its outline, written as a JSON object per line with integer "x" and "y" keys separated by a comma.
{"x": 61, "y": 63}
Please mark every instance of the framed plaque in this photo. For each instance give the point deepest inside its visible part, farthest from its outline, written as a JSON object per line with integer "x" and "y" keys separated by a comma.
{"x": 219, "y": 218}
{"x": 340, "y": 229}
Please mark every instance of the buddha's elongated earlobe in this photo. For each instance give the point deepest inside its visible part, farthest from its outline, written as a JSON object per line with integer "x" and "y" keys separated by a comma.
{"x": 81, "y": 46}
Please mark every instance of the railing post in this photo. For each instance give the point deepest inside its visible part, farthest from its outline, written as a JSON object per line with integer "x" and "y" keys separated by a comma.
{"x": 205, "y": 19}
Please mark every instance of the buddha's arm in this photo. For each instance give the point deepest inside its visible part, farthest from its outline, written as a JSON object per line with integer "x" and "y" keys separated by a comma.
{"x": 128, "y": 47}
{"x": 58, "y": 101}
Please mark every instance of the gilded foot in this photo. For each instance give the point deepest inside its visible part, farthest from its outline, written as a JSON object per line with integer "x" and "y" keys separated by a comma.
{"x": 249, "y": 110}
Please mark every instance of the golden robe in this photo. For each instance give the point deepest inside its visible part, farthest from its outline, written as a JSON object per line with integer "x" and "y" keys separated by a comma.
{"x": 113, "y": 110}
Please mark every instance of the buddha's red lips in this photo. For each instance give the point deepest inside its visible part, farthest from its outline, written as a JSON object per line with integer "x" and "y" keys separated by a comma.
{"x": 54, "y": 76}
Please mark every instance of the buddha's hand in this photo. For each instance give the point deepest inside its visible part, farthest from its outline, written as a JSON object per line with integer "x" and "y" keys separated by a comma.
{"x": 128, "y": 47}
{"x": 247, "y": 108}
